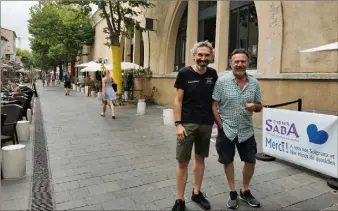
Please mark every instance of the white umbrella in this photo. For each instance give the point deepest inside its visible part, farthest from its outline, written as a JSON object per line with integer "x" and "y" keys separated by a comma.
{"x": 93, "y": 67}
{"x": 86, "y": 64}
{"x": 129, "y": 65}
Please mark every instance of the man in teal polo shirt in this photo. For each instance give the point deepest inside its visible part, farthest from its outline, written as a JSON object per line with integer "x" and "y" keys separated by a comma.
{"x": 236, "y": 96}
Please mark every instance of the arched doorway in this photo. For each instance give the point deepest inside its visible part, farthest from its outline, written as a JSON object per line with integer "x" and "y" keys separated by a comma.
{"x": 181, "y": 39}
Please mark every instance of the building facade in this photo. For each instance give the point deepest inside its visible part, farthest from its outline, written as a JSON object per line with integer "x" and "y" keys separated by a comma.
{"x": 273, "y": 32}
{"x": 9, "y": 45}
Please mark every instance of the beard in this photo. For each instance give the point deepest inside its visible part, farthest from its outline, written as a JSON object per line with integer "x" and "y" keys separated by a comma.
{"x": 202, "y": 64}
{"x": 239, "y": 71}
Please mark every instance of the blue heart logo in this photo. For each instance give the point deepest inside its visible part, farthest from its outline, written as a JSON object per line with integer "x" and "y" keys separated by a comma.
{"x": 315, "y": 136}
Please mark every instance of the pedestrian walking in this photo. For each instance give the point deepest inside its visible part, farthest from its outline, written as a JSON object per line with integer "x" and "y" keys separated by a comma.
{"x": 108, "y": 93}
{"x": 67, "y": 83}
{"x": 236, "y": 96}
{"x": 194, "y": 119}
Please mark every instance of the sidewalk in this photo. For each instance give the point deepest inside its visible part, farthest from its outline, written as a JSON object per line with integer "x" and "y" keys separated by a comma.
{"x": 98, "y": 163}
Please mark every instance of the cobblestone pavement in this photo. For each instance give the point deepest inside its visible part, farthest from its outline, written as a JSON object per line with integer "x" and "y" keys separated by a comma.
{"x": 98, "y": 163}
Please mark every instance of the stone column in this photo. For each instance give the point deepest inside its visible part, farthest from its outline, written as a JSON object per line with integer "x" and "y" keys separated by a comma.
{"x": 136, "y": 52}
{"x": 192, "y": 30}
{"x": 222, "y": 35}
{"x": 127, "y": 52}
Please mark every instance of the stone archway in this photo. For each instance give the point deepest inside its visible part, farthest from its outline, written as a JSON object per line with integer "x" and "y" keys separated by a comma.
{"x": 170, "y": 27}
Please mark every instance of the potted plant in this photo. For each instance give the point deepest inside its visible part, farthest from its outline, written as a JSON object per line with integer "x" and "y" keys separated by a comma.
{"x": 127, "y": 82}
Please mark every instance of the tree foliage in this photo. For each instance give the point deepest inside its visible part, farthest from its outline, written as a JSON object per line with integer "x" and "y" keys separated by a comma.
{"x": 27, "y": 58}
{"x": 59, "y": 32}
{"x": 119, "y": 15}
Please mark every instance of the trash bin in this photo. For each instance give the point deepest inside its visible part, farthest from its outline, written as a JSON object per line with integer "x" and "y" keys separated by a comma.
{"x": 141, "y": 107}
{"x": 22, "y": 128}
{"x": 14, "y": 161}
{"x": 168, "y": 117}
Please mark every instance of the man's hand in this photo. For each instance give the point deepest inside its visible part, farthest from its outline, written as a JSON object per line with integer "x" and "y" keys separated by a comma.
{"x": 181, "y": 133}
{"x": 250, "y": 107}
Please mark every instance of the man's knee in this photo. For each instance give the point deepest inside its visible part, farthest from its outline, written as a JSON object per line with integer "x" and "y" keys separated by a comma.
{"x": 183, "y": 164}
{"x": 199, "y": 159}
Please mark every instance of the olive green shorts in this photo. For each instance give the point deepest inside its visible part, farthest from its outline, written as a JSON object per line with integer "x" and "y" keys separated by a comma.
{"x": 198, "y": 135}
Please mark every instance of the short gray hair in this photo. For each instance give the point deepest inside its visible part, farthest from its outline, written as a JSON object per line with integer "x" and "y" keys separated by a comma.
{"x": 204, "y": 43}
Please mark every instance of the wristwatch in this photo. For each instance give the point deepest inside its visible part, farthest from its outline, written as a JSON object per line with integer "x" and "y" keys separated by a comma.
{"x": 178, "y": 123}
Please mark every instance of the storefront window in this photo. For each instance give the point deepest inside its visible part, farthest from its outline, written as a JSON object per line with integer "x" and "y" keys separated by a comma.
{"x": 243, "y": 32}
{"x": 181, "y": 42}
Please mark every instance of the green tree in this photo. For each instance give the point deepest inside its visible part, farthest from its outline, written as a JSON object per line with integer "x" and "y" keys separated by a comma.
{"x": 59, "y": 33}
{"x": 26, "y": 57}
{"x": 120, "y": 18}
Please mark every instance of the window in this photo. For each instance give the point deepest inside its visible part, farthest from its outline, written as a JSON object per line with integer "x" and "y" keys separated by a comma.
{"x": 141, "y": 50}
{"x": 243, "y": 31}
{"x": 132, "y": 53}
{"x": 202, "y": 5}
{"x": 181, "y": 42}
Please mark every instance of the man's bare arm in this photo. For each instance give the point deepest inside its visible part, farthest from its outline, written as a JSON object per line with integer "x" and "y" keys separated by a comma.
{"x": 178, "y": 104}
{"x": 216, "y": 114}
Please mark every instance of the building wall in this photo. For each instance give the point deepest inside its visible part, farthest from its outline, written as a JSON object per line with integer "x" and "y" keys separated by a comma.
{"x": 99, "y": 49}
{"x": 307, "y": 25}
{"x": 3, "y": 48}
{"x": 10, "y": 36}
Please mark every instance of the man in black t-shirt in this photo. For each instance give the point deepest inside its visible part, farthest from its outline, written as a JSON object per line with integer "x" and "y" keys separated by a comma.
{"x": 68, "y": 83}
{"x": 194, "y": 120}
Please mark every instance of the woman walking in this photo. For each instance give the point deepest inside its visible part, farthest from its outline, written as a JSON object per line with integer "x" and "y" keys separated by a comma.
{"x": 108, "y": 93}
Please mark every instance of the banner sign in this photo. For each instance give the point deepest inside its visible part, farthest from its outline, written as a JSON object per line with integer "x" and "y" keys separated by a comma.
{"x": 302, "y": 138}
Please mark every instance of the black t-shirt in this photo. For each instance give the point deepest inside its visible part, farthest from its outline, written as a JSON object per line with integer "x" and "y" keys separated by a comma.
{"x": 67, "y": 79}
{"x": 197, "y": 98}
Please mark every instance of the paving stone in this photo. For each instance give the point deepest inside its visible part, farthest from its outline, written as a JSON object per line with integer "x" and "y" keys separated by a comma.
{"x": 267, "y": 189}
{"x": 103, "y": 188}
{"x": 129, "y": 182}
{"x": 66, "y": 186}
{"x": 118, "y": 204}
{"x": 90, "y": 181}
{"x": 71, "y": 204}
{"x": 319, "y": 203}
{"x": 70, "y": 195}
{"x": 287, "y": 183}
{"x": 90, "y": 207}
{"x": 96, "y": 199}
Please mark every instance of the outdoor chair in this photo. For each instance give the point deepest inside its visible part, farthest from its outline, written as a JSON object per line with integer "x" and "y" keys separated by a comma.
{"x": 20, "y": 94}
{"x": 3, "y": 119}
{"x": 24, "y": 103}
{"x": 29, "y": 97}
{"x": 11, "y": 102}
{"x": 8, "y": 131}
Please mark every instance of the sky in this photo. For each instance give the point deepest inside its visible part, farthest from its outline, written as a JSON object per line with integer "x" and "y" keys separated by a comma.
{"x": 14, "y": 16}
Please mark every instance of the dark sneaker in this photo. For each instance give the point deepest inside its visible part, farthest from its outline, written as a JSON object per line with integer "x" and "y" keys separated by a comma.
{"x": 248, "y": 197}
{"x": 233, "y": 200}
{"x": 179, "y": 205}
{"x": 200, "y": 200}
